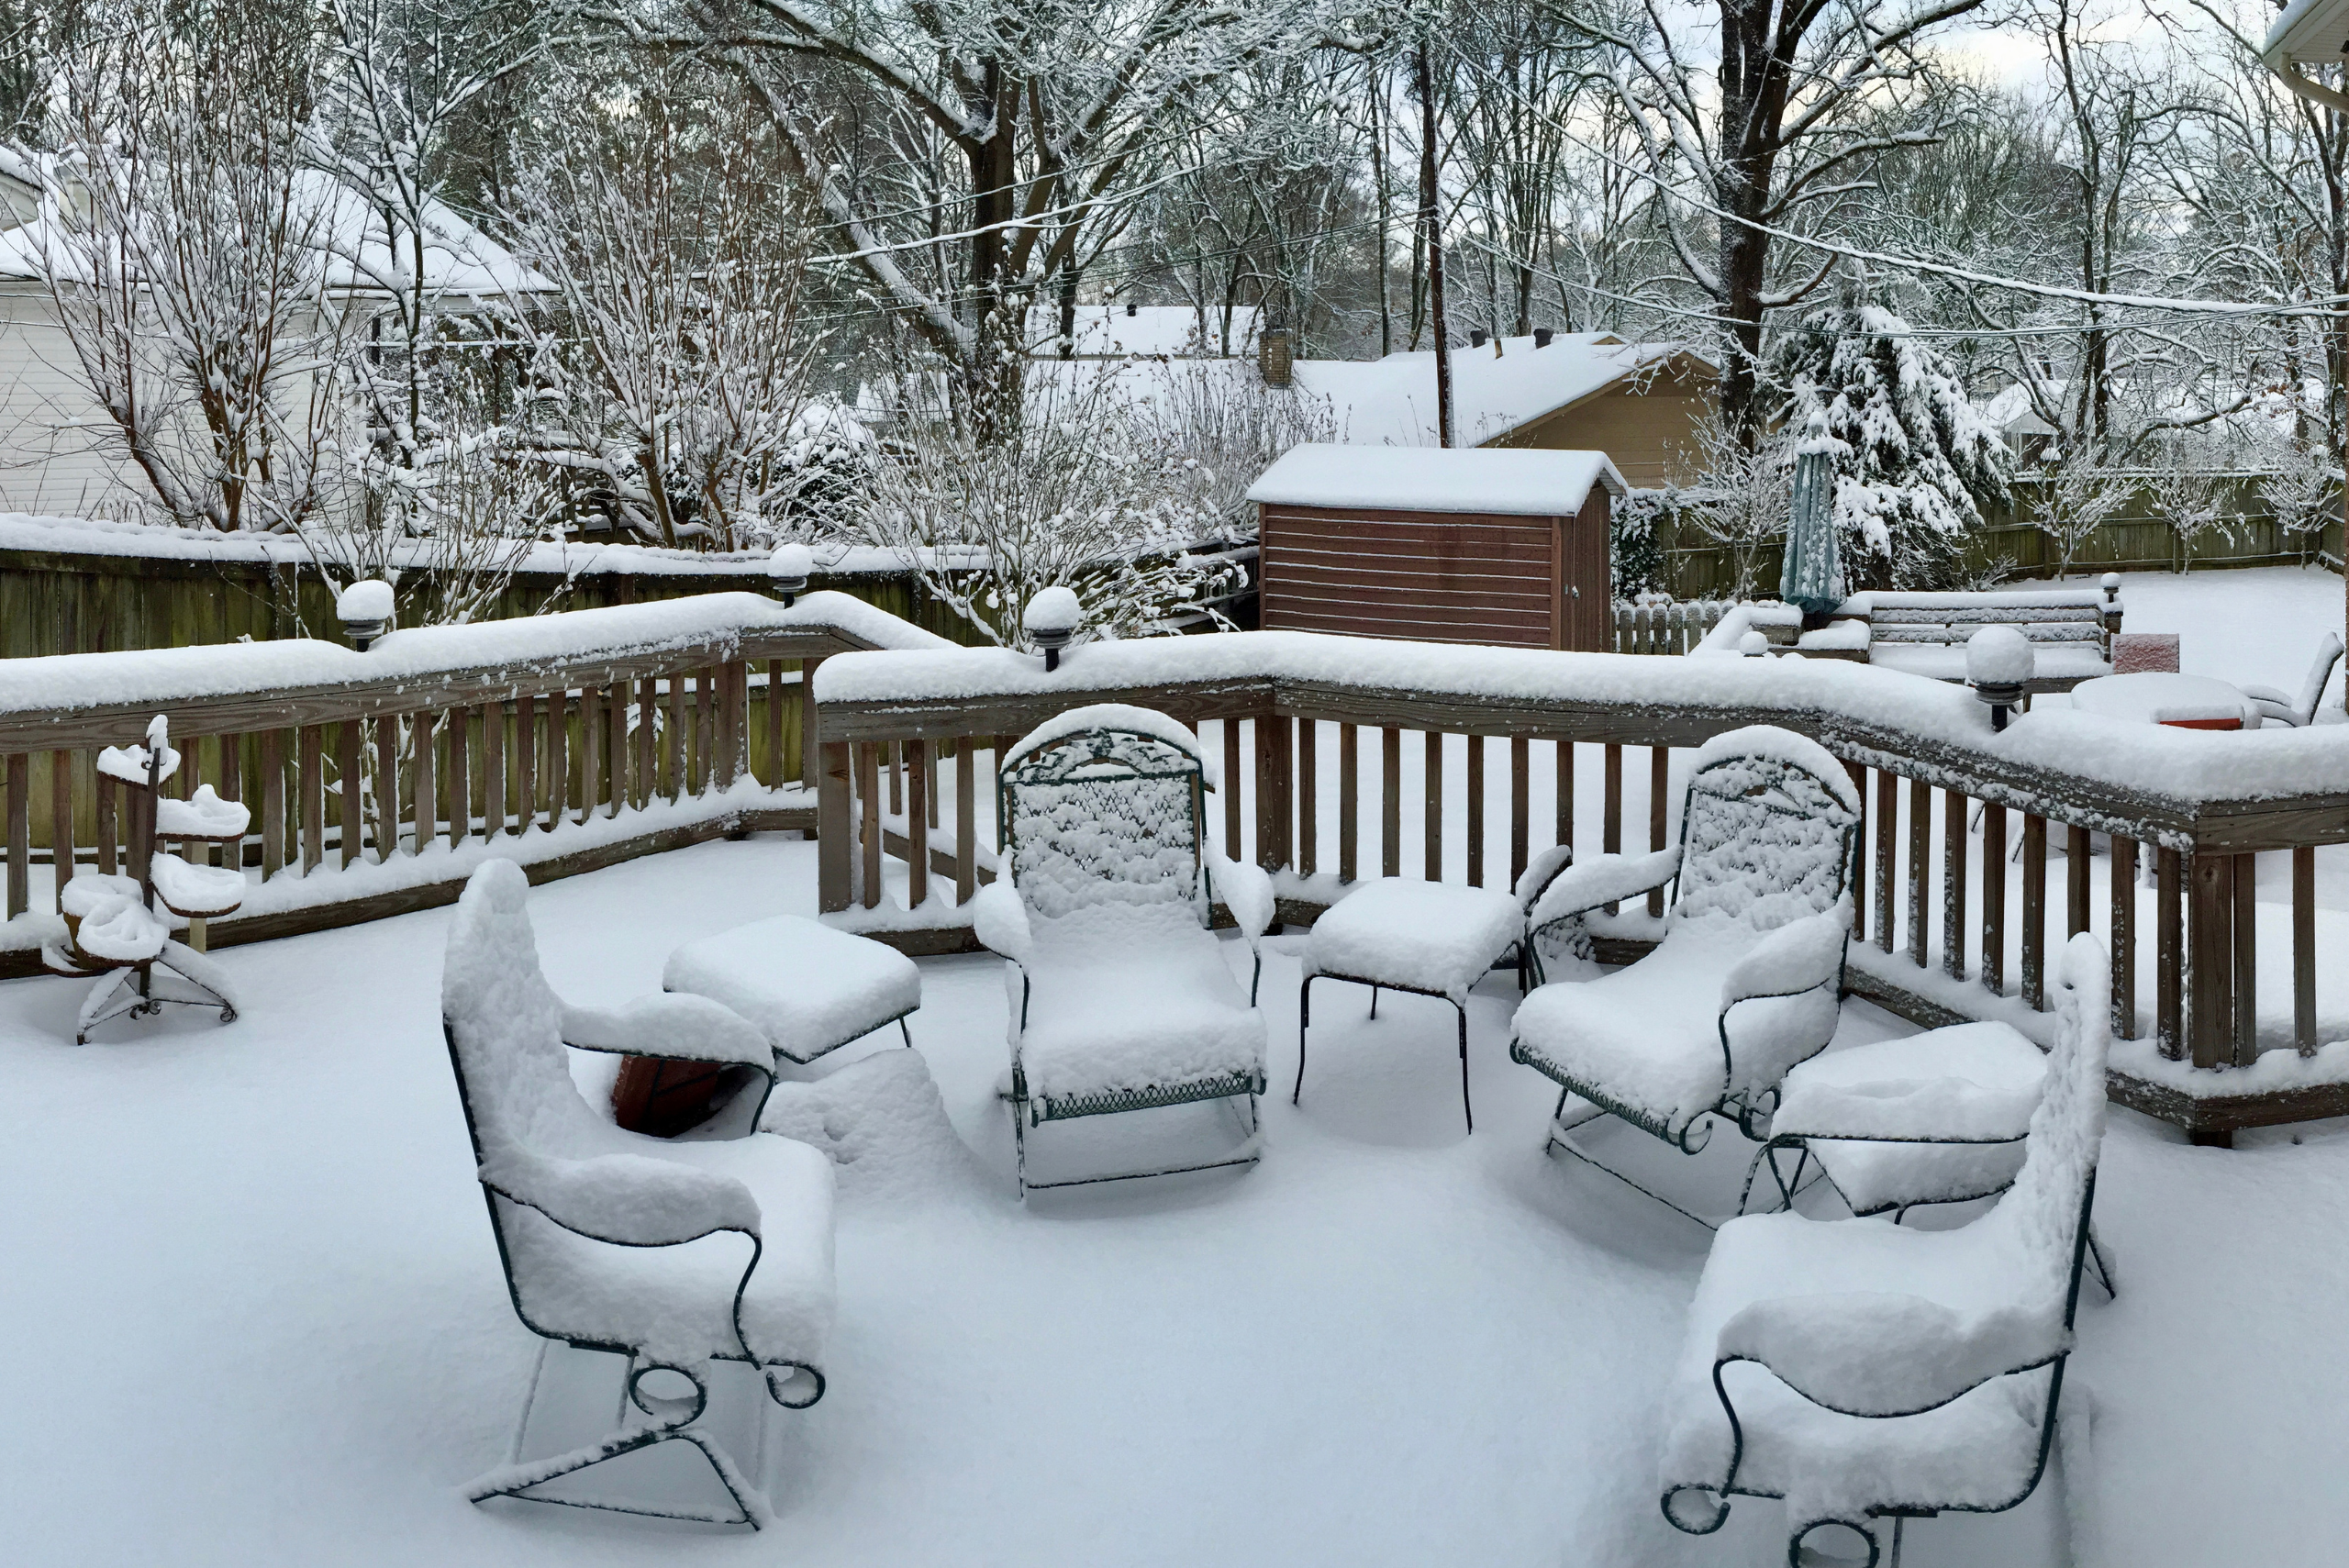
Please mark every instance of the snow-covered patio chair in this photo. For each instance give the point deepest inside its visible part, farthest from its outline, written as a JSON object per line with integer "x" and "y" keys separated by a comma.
{"x": 672, "y": 1255}
{"x": 1747, "y": 979}
{"x": 2276, "y": 707}
{"x": 1432, "y": 938}
{"x": 1120, "y": 998}
{"x": 1862, "y": 1369}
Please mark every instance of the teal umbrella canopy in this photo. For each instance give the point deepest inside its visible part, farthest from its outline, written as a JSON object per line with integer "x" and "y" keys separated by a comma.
{"x": 1813, "y": 577}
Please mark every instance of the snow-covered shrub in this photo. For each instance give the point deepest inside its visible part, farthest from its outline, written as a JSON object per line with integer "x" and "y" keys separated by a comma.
{"x": 1636, "y": 554}
{"x": 1083, "y": 492}
{"x": 1922, "y": 459}
{"x": 1743, "y": 499}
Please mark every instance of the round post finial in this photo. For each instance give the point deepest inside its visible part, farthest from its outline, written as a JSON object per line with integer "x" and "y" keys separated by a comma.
{"x": 365, "y": 611}
{"x": 1051, "y": 621}
{"x": 1999, "y": 662}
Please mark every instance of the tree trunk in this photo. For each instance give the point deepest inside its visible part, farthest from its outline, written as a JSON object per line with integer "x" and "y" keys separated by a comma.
{"x": 1431, "y": 222}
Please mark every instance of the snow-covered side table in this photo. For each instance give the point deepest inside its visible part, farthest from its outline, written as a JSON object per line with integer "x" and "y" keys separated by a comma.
{"x": 1934, "y": 1118}
{"x": 112, "y": 931}
{"x": 1432, "y": 938}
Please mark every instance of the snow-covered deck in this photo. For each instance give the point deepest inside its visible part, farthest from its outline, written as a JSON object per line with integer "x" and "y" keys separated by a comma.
{"x": 259, "y": 1317}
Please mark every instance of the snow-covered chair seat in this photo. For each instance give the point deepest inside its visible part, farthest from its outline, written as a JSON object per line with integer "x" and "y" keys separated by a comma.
{"x": 1120, "y": 998}
{"x": 674, "y": 1255}
{"x": 2275, "y": 706}
{"x": 1432, "y": 938}
{"x": 1859, "y": 1369}
{"x": 1925, "y": 1119}
{"x": 1747, "y": 979}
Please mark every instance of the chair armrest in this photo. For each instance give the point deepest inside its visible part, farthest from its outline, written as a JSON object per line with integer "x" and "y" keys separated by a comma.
{"x": 1882, "y": 1354}
{"x": 1609, "y": 879}
{"x": 2266, "y": 693}
{"x": 1000, "y": 921}
{"x": 676, "y": 1026}
{"x": 1800, "y": 956}
{"x": 1541, "y": 872}
{"x": 1247, "y": 893}
{"x": 631, "y": 1200}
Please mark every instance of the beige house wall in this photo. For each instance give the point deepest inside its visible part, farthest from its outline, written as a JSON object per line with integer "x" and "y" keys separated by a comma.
{"x": 1647, "y": 425}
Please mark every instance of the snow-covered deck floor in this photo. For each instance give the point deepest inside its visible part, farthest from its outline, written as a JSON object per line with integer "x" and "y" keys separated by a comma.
{"x": 256, "y": 1314}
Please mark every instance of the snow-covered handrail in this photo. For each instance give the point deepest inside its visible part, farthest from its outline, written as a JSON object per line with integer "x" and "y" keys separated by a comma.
{"x": 2184, "y": 789}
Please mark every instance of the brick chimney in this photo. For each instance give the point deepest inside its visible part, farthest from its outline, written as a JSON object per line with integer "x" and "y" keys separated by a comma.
{"x": 1273, "y": 353}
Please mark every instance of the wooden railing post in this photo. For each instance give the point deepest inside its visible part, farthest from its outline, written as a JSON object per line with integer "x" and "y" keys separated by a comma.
{"x": 2075, "y": 880}
{"x": 2123, "y": 870}
{"x": 1659, "y": 803}
{"x": 2034, "y": 911}
{"x": 1390, "y": 803}
{"x": 1521, "y": 806}
{"x": 2243, "y": 974}
{"x": 1431, "y": 805}
{"x": 20, "y": 833}
{"x": 1272, "y": 759}
{"x": 428, "y": 828}
{"x": 459, "y": 788}
{"x": 1921, "y": 839}
{"x": 835, "y": 828}
{"x": 2210, "y": 945}
{"x": 273, "y": 802}
{"x": 1475, "y": 810}
{"x": 868, "y": 800}
{"x": 1308, "y": 797}
{"x": 1564, "y": 804}
{"x": 1859, "y": 777}
{"x": 810, "y": 750}
{"x": 1349, "y": 801}
{"x": 916, "y": 822}
{"x": 1993, "y": 900}
{"x": 1888, "y": 838}
{"x": 2169, "y": 953}
{"x": 966, "y": 818}
{"x": 1953, "y": 848}
{"x": 61, "y": 818}
{"x": 347, "y": 752}
{"x": 2304, "y": 950}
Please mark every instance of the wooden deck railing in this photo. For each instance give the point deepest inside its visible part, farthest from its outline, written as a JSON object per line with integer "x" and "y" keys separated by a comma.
{"x": 1958, "y": 914}
{"x": 378, "y": 779}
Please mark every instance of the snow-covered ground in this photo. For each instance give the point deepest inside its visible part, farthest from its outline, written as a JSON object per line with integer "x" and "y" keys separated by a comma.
{"x": 258, "y": 1317}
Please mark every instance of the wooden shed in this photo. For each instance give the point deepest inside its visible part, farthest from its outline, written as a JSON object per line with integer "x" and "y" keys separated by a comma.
{"x": 1463, "y": 545}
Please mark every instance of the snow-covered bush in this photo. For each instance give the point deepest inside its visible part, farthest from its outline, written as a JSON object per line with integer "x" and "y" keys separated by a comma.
{"x": 1921, "y": 459}
{"x": 1635, "y": 557}
{"x": 1083, "y": 492}
{"x": 1741, "y": 501}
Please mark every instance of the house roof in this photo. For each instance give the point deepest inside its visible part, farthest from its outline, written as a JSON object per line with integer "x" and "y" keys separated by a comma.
{"x": 1510, "y": 480}
{"x": 1392, "y": 401}
{"x": 1114, "y": 330}
{"x": 352, "y": 235}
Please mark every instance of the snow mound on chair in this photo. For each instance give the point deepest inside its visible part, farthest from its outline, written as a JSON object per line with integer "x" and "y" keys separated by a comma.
{"x": 884, "y": 1126}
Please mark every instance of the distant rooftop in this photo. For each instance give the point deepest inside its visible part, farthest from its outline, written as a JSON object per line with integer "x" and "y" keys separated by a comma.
{"x": 1114, "y": 331}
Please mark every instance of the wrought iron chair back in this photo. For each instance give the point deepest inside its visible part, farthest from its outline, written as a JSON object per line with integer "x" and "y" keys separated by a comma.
{"x": 1104, "y": 817}
{"x": 1763, "y": 842}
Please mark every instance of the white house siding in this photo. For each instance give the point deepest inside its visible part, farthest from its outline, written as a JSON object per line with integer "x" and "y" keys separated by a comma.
{"x": 58, "y": 455}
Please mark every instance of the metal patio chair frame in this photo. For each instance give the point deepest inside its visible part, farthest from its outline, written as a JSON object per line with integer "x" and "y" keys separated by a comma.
{"x": 2084, "y": 1251}
{"x": 670, "y": 1417}
{"x": 1032, "y": 766}
{"x": 1751, "y": 1115}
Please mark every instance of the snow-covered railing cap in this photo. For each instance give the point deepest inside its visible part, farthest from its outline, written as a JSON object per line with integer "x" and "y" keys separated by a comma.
{"x": 1507, "y": 481}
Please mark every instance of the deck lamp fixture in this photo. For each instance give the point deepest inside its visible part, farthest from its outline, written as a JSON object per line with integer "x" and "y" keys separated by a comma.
{"x": 365, "y": 611}
{"x": 788, "y": 568}
{"x": 1999, "y": 662}
{"x": 1053, "y": 619}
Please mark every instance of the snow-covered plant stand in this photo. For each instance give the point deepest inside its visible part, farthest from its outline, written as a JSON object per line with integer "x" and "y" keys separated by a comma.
{"x": 1748, "y": 978}
{"x": 1120, "y": 1000}
{"x": 706, "y": 1267}
{"x": 112, "y": 931}
{"x": 1864, "y": 1371}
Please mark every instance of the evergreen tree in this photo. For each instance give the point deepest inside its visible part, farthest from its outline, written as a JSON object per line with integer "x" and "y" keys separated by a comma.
{"x": 1919, "y": 461}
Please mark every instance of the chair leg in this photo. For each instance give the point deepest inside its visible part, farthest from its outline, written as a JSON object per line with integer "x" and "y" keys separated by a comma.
{"x": 1373, "y": 1001}
{"x": 1304, "y": 1019}
{"x": 1020, "y": 1148}
{"x": 1467, "y": 1109}
{"x": 906, "y": 1033}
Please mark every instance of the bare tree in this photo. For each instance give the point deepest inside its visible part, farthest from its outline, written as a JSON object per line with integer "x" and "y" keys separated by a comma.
{"x": 676, "y": 375}
{"x": 179, "y": 243}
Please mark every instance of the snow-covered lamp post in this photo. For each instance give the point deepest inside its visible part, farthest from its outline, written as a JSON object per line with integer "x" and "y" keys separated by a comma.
{"x": 1812, "y": 578}
{"x": 1051, "y": 620}
{"x": 365, "y": 611}
{"x": 788, "y": 568}
{"x": 1999, "y": 662}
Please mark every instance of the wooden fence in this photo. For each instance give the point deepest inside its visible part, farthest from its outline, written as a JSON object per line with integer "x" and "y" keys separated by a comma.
{"x": 2133, "y": 541}
{"x": 575, "y": 741}
{"x": 1322, "y": 778}
{"x": 618, "y": 734}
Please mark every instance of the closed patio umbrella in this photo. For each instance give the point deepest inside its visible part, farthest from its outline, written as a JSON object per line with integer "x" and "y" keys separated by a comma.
{"x": 1812, "y": 579}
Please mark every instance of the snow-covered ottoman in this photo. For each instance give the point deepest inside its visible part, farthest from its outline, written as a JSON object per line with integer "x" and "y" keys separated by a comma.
{"x": 1433, "y": 939}
{"x": 809, "y": 988}
{"x": 1932, "y": 1117}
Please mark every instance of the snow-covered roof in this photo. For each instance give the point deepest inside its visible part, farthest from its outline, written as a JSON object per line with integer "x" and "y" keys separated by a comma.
{"x": 1391, "y": 402}
{"x": 2011, "y": 412}
{"x": 1513, "y": 481}
{"x": 2310, "y": 31}
{"x": 356, "y": 239}
{"x": 1113, "y": 330}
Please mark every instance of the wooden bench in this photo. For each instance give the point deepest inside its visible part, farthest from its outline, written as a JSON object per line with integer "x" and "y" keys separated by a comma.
{"x": 1925, "y": 634}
